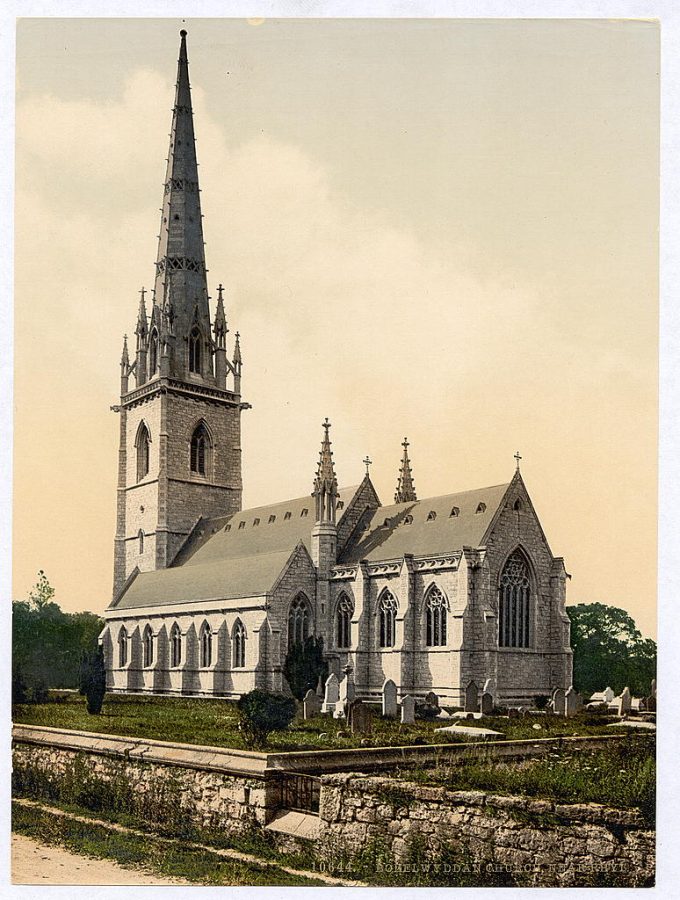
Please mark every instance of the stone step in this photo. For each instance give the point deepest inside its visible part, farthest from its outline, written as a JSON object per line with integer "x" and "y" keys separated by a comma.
{"x": 296, "y": 824}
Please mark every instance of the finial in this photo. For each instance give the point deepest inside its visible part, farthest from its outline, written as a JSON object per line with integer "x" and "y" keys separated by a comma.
{"x": 517, "y": 457}
{"x": 183, "y": 33}
{"x": 406, "y": 491}
{"x": 368, "y": 462}
{"x": 142, "y": 292}
{"x": 220, "y": 288}
{"x": 326, "y": 424}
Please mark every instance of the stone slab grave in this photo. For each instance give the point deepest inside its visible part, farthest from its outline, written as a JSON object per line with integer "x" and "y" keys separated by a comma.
{"x": 389, "y": 699}
{"x": 559, "y": 703}
{"x": 461, "y": 714}
{"x": 471, "y": 697}
{"x": 469, "y": 730}
{"x": 633, "y": 723}
{"x": 360, "y": 717}
{"x": 408, "y": 710}
{"x": 311, "y": 705}
{"x": 486, "y": 704}
{"x": 331, "y": 694}
{"x": 605, "y": 696}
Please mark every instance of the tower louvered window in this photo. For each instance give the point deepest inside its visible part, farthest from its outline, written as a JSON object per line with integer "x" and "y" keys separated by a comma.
{"x": 195, "y": 351}
{"x": 388, "y": 620}
{"x": 142, "y": 452}
{"x": 200, "y": 450}
{"x": 343, "y": 621}
{"x": 238, "y": 642}
{"x": 298, "y": 621}
{"x": 153, "y": 353}
{"x": 435, "y": 618}
{"x": 514, "y": 603}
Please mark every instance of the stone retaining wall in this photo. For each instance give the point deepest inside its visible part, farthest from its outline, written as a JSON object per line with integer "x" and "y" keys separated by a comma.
{"x": 539, "y": 841}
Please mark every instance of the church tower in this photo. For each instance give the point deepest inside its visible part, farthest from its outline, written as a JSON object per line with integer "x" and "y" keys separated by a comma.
{"x": 180, "y": 419}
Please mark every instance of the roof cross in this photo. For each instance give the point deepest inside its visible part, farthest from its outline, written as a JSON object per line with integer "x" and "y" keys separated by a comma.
{"x": 368, "y": 462}
{"x": 220, "y": 288}
{"x": 517, "y": 457}
{"x": 142, "y": 292}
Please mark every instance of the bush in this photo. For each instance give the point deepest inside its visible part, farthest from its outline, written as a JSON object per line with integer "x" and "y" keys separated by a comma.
{"x": 40, "y": 690}
{"x": 93, "y": 680}
{"x": 261, "y": 712}
{"x": 304, "y": 666}
{"x": 19, "y": 690}
{"x": 427, "y": 712}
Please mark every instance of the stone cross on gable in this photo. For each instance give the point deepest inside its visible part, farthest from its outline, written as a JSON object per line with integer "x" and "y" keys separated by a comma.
{"x": 368, "y": 462}
{"x": 517, "y": 458}
{"x": 143, "y": 293}
{"x": 220, "y": 288}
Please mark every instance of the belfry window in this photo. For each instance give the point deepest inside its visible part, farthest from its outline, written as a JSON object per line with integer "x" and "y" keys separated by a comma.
{"x": 200, "y": 450}
{"x": 387, "y": 613}
{"x": 175, "y": 645}
{"x": 238, "y": 643}
{"x": 195, "y": 351}
{"x": 153, "y": 353}
{"x": 343, "y": 622}
{"x": 514, "y": 603}
{"x": 206, "y": 646}
{"x": 143, "y": 441}
{"x": 298, "y": 621}
{"x": 435, "y": 618}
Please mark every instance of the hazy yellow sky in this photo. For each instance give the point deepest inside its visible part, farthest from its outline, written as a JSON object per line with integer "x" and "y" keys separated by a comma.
{"x": 444, "y": 228}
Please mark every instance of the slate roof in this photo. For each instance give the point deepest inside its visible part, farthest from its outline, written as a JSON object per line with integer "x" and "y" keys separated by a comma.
{"x": 384, "y": 533}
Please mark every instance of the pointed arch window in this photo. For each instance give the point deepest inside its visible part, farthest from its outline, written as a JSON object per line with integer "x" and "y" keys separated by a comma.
{"x": 238, "y": 645}
{"x": 435, "y": 618}
{"x": 195, "y": 350}
{"x": 175, "y": 645}
{"x": 298, "y": 621}
{"x": 153, "y": 353}
{"x": 122, "y": 647}
{"x": 200, "y": 448}
{"x": 143, "y": 441}
{"x": 387, "y": 612}
{"x": 147, "y": 646}
{"x": 343, "y": 622}
{"x": 205, "y": 640}
{"x": 514, "y": 602}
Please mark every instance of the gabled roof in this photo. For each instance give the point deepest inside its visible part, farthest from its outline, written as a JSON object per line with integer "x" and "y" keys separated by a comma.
{"x": 387, "y": 533}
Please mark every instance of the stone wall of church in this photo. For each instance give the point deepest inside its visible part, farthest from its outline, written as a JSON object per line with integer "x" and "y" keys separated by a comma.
{"x": 299, "y": 578}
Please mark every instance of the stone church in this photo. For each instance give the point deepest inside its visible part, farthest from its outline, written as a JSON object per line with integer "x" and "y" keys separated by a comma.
{"x": 208, "y": 597}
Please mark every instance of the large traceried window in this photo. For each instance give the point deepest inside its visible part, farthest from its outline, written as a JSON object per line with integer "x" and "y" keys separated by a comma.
{"x": 238, "y": 645}
{"x": 387, "y": 612}
{"x": 435, "y": 618}
{"x": 143, "y": 440}
{"x": 205, "y": 640}
{"x": 122, "y": 647}
{"x": 200, "y": 450}
{"x": 514, "y": 603}
{"x": 298, "y": 621}
{"x": 343, "y": 622}
{"x": 195, "y": 351}
{"x": 175, "y": 645}
{"x": 147, "y": 646}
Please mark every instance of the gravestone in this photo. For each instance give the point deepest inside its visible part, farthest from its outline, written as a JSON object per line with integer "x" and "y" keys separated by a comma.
{"x": 608, "y": 695}
{"x": 431, "y": 699}
{"x": 624, "y": 702}
{"x": 408, "y": 710}
{"x": 359, "y": 717}
{"x": 389, "y": 699}
{"x": 331, "y": 694}
{"x": 652, "y": 690}
{"x": 487, "y": 704}
{"x": 311, "y": 705}
{"x": 559, "y": 702}
{"x": 650, "y": 703}
{"x": 346, "y": 693}
{"x": 490, "y": 688}
{"x": 571, "y": 702}
{"x": 471, "y": 697}
{"x": 320, "y": 688}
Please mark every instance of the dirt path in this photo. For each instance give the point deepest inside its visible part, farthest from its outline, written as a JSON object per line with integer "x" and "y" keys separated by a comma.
{"x": 35, "y": 863}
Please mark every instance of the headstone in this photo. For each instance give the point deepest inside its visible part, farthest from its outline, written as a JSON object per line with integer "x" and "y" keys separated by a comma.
{"x": 359, "y": 717}
{"x": 570, "y": 702}
{"x": 311, "y": 705}
{"x": 346, "y": 693}
{"x": 331, "y": 694}
{"x": 320, "y": 688}
{"x": 608, "y": 695}
{"x": 652, "y": 691}
{"x": 624, "y": 702}
{"x": 408, "y": 710}
{"x": 487, "y": 704}
{"x": 389, "y": 699}
{"x": 651, "y": 703}
{"x": 471, "y": 697}
{"x": 559, "y": 702}
{"x": 431, "y": 699}
{"x": 490, "y": 687}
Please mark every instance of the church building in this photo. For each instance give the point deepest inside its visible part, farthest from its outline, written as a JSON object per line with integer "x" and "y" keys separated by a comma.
{"x": 209, "y": 598}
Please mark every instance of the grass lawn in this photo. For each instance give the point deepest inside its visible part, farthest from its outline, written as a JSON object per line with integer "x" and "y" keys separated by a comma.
{"x": 623, "y": 775}
{"x": 165, "y": 858}
{"x": 213, "y": 722}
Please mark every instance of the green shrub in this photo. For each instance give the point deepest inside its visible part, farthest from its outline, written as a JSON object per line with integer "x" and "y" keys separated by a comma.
{"x": 19, "y": 689}
{"x": 40, "y": 692}
{"x": 261, "y": 712}
{"x": 93, "y": 679}
{"x": 304, "y": 666}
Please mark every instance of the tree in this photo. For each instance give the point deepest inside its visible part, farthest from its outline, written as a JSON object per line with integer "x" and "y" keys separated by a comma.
{"x": 304, "y": 666}
{"x": 609, "y": 650}
{"x": 93, "y": 679}
{"x": 42, "y": 592}
{"x": 261, "y": 712}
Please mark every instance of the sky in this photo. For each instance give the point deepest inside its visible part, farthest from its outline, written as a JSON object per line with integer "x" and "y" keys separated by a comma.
{"x": 445, "y": 229}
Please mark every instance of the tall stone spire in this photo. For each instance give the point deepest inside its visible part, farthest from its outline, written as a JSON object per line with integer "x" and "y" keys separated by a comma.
{"x": 325, "y": 483}
{"x": 181, "y": 289}
{"x": 406, "y": 491}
